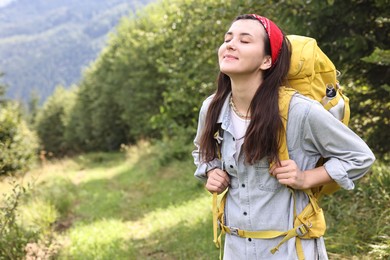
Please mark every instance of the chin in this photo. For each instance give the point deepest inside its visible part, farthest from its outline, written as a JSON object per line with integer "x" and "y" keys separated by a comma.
{"x": 230, "y": 72}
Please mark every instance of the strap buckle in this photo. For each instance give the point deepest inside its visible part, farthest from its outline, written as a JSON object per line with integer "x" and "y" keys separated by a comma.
{"x": 234, "y": 231}
{"x": 302, "y": 230}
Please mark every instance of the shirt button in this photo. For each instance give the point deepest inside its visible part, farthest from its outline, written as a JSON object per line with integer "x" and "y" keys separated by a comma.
{"x": 234, "y": 139}
{"x": 245, "y": 213}
{"x": 249, "y": 239}
{"x": 243, "y": 185}
{"x": 231, "y": 166}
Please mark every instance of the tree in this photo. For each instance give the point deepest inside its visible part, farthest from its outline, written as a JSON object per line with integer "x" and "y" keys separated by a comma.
{"x": 52, "y": 121}
{"x": 161, "y": 64}
{"x": 18, "y": 145}
{"x": 3, "y": 89}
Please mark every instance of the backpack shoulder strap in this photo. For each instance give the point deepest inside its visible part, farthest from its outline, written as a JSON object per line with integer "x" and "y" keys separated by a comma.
{"x": 285, "y": 95}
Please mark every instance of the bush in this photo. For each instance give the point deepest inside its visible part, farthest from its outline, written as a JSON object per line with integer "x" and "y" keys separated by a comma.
{"x": 26, "y": 225}
{"x": 13, "y": 238}
{"x": 17, "y": 143}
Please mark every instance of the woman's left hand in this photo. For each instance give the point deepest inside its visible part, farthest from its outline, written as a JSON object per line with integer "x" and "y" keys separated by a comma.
{"x": 289, "y": 174}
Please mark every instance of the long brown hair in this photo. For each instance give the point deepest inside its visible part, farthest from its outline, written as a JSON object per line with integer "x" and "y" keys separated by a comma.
{"x": 262, "y": 136}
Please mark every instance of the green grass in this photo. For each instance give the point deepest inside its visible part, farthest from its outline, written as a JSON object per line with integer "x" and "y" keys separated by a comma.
{"x": 135, "y": 205}
{"x": 122, "y": 206}
{"x": 359, "y": 220}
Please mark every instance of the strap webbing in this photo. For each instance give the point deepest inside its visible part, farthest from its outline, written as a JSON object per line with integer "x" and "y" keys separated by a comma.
{"x": 217, "y": 240}
{"x": 218, "y": 220}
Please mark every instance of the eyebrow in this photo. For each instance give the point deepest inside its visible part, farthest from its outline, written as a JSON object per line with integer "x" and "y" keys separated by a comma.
{"x": 241, "y": 34}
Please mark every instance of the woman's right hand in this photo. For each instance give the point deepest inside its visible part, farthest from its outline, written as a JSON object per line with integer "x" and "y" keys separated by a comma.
{"x": 217, "y": 181}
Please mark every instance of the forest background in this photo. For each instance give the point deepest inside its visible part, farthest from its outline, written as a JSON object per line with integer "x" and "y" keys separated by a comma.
{"x": 148, "y": 83}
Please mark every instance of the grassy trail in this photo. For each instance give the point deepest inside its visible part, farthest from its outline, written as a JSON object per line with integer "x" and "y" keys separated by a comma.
{"x": 123, "y": 206}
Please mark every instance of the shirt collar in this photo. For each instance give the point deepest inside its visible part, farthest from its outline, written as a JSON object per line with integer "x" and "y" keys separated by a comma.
{"x": 224, "y": 115}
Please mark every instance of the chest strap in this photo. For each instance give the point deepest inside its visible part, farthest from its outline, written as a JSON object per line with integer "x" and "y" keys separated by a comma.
{"x": 301, "y": 230}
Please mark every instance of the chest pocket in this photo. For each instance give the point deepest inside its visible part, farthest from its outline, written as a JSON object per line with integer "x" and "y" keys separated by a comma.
{"x": 264, "y": 180}
{"x": 234, "y": 182}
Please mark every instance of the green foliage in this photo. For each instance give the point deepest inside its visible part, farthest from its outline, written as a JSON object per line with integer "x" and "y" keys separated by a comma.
{"x": 45, "y": 208}
{"x": 32, "y": 108}
{"x": 359, "y": 220}
{"x": 96, "y": 118}
{"x": 120, "y": 91}
{"x": 378, "y": 56}
{"x": 52, "y": 121}
{"x": 13, "y": 238}
{"x": 372, "y": 116}
{"x": 354, "y": 34}
{"x": 18, "y": 144}
{"x": 3, "y": 89}
{"x": 150, "y": 80}
{"x": 161, "y": 63}
{"x": 193, "y": 31}
{"x": 26, "y": 224}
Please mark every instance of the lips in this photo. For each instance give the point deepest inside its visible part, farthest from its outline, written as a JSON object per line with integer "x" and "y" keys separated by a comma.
{"x": 230, "y": 57}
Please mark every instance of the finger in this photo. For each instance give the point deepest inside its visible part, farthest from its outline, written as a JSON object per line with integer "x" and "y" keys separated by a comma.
{"x": 215, "y": 172}
{"x": 212, "y": 187}
{"x": 222, "y": 176}
{"x": 221, "y": 173}
{"x": 285, "y": 163}
{"x": 217, "y": 181}
{"x": 225, "y": 181}
{"x": 282, "y": 167}
{"x": 215, "y": 188}
{"x": 280, "y": 170}
{"x": 290, "y": 164}
{"x": 217, "y": 176}
{"x": 282, "y": 176}
{"x": 273, "y": 167}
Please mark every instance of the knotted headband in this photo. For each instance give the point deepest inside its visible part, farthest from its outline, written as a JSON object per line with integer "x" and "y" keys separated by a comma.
{"x": 275, "y": 36}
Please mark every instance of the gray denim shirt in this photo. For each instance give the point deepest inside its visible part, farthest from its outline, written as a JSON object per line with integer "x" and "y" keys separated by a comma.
{"x": 257, "y": 201}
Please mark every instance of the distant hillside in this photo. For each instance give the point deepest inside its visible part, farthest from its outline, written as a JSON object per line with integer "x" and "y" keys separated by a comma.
{"x": 44, "y": 43}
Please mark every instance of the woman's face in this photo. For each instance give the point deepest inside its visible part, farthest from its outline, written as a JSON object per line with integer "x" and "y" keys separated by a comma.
{"x": 242, "y": 52}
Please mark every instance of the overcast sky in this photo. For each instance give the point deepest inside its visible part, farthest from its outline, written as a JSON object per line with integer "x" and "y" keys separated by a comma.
{"x": 5, "y": 2}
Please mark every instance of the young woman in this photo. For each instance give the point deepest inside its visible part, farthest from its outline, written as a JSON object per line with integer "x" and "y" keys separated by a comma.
{"x": 254, "y": 60}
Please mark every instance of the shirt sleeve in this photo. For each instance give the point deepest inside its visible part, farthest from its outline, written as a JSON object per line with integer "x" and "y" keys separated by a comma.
{"x": 202, "y": 167}
{"x": 348, "y": 156}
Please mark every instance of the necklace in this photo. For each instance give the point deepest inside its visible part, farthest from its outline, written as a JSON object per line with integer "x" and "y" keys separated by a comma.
{"x": 236, "y": 110}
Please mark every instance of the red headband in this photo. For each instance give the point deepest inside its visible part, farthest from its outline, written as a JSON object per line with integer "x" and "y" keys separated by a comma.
{"x": 275, "y": 36}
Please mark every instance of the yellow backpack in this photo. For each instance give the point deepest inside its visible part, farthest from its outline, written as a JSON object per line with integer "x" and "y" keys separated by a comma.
{"x": 311, "y": 73}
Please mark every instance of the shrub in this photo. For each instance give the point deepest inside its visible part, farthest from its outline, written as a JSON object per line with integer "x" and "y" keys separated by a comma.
{"x": 18, "y": 143}
{"x": 13, "y": 238}
{"x": 26, "y": 224}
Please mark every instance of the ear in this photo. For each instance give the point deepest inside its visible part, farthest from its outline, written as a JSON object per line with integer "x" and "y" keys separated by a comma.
{"x": 267, "y": 63}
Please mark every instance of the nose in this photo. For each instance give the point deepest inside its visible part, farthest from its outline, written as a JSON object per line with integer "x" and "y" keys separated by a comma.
{"x": 230, "y": 45}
